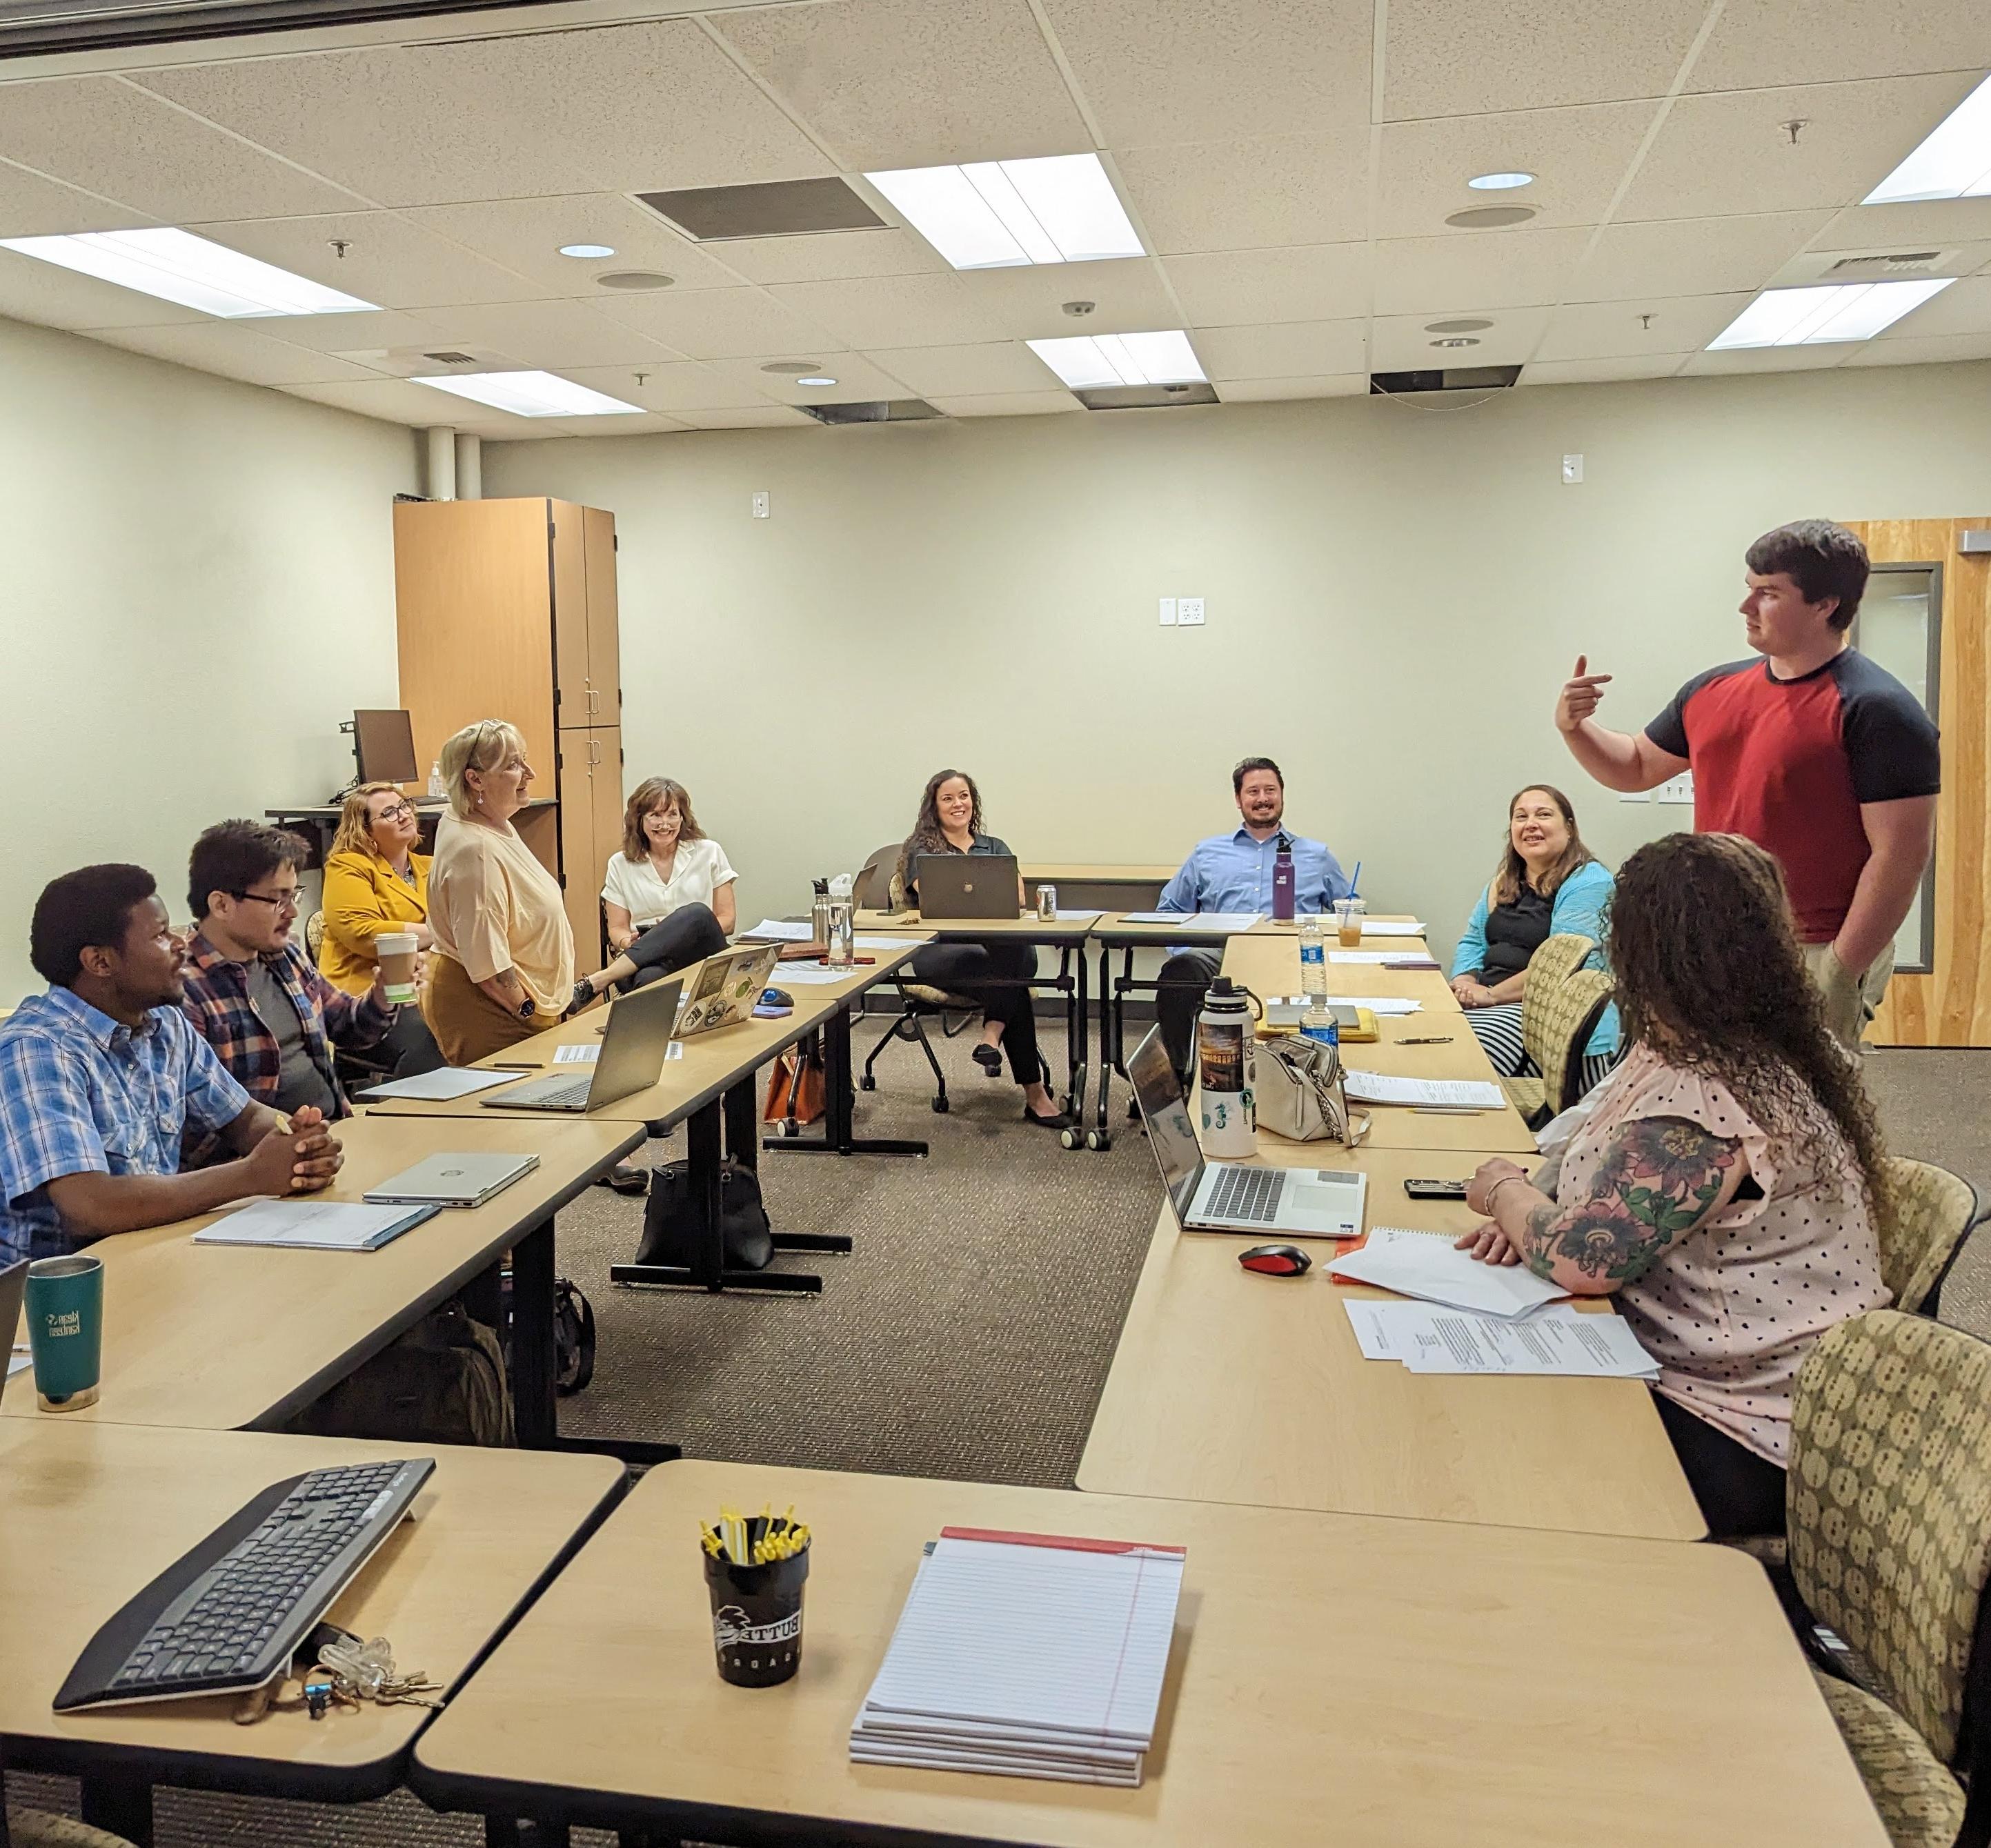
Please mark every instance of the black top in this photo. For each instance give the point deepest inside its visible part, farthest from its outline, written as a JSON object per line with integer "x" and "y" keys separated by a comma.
{"x": 1513, "y": 934}
{"x": 981, "y": 843}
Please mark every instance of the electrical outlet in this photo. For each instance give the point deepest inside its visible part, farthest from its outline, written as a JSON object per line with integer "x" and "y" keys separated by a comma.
{"x": 1572, "y": 470}
{"x": 1678, "y": 790}
{"x": 1188, "y": 611}
{"x": 760, "y": 503}
{"x": 1168, "y": 612}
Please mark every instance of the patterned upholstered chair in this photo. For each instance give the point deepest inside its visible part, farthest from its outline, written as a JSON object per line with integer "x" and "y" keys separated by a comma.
{"x": 1888, "y": 1507}
{"x": 1926, "y": 1213}
{"x": 41, "y": 1828}
{"x": 1559, "y": 1013}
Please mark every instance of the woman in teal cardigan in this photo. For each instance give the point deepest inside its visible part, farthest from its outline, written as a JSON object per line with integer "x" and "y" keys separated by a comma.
{"x": 1547, "y": 884}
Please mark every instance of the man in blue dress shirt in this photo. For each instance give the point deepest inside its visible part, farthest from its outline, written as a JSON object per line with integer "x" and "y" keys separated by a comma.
{"x": 1234, "y": 872}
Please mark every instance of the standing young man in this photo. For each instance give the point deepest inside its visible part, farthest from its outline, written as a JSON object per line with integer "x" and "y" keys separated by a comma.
{"x": 1234, "y": 872}
{"x": 1815, "y": 753}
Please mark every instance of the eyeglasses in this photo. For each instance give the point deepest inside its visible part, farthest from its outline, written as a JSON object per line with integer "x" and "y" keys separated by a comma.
{"x": 394, "y": 812}
{"x": 277, "y": 901}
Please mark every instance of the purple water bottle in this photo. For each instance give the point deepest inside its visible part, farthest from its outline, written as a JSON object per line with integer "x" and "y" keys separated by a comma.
{"x": 1282, "y": 882}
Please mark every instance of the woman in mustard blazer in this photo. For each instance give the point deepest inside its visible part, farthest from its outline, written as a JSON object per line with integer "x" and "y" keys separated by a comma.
{"x": 375, "y": 881}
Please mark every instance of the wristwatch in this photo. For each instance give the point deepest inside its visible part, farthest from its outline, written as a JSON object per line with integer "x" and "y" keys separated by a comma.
{"x": 528, "y": 1008}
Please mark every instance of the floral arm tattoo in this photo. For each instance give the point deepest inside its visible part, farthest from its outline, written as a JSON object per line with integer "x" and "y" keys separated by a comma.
{"x": 1661, "y": 1176}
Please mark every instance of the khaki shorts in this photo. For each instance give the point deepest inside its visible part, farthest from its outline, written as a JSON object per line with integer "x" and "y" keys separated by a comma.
{"x": 1849, "y": 1001}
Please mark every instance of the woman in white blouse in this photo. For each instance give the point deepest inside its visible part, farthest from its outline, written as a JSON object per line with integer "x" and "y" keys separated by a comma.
{"x": 667, "y": 893}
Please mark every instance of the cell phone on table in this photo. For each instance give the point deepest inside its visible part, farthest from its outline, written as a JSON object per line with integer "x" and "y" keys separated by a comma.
{"x": 1435, "y": 1190}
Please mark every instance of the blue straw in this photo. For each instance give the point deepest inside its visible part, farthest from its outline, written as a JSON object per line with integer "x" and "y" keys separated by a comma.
{"x": 1355, "y": 883}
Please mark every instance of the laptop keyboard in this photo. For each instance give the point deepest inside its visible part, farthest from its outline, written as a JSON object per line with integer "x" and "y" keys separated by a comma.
{"x": 567, "y": 1096}
{"x": 1251, "y": 1193}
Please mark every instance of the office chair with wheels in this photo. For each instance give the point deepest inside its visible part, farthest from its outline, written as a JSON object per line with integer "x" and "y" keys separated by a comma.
{"x": 918, "y": 1000}
{"x": 1924, "y": 1215}
{"x": 1545, "y": 1033}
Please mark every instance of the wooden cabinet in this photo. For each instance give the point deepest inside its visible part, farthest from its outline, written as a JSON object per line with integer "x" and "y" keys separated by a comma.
{"x": 507, "y": 610}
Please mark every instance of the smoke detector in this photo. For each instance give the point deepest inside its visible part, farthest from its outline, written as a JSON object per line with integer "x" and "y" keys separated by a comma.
{"x": 1079, "y": 310}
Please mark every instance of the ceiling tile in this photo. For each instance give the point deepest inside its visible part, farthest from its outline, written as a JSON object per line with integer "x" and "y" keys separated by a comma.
{"x": 858, "y": 381}
{"x": 398, "y": 401}
{"x": 31, "y": 206}
{"x": 1129, "y": 296}
{"x": 1250, "y": 195}
{"x": 1764, "y": 360}
{"x": 1937, "y": 224}
{"x": 898, "y": 310}
{"x": 726, "y": 323}
{"x": 833, "y": 255}
{"x": 552, "y": 335}
{"x": 1286, "y": 350}
{"x": 1723, "y": 154}
{"x": 650, "y": 424}
{"x": 676, "y": 387}
{"x": 1443, "y": 58}
{"x": 30, "y": 289}
{"x": 526, "y": 235}
{"x": 1611, "y": 330}
{"x": 1691, "y": 256}
{"x": 770, "y": 416}
{"x": 1334, "y": 385}
{"x": 234, "y": 351}
{"x": 1320, "y": 282}
{"x": 352, "y": 333}
{"x": 1153, "y": 73}
{"x": 387, "y": 260}
{"x": 978, "y": 369}
{"x": 1579, "y": 156}
{"x": 905, "y": 84}
{"x": 1597, "y": 372}
{"x": 102, "y": 134}
{"x": 1760, "y": 41}
{"x": 1007, "y": 404}
{"x": 1403, "y": 343}
{"x": 1938, "y": 347}
{"x": 1471, "y": 272}
{"x": 614, "y": 108}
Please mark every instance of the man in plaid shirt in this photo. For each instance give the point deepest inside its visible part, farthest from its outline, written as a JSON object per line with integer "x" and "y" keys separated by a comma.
{"x": 251, "y": 993}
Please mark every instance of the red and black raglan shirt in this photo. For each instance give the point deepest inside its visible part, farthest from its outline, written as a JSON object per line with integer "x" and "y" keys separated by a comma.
{"x": 1789, "y": 763}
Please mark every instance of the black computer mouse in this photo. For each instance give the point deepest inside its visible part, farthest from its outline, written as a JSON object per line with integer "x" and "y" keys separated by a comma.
{"x": 776, "y": 998}
{"x": 1276, "y": 1261}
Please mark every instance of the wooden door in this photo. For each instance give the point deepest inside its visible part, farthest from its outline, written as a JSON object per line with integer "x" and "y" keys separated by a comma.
{"x": 604, "y": 632}
{"x": 473, "y": 602}
{"x": 590, "y": 829}
{"x": 1950, "y": 1004}
{"x": 572, "y": 685}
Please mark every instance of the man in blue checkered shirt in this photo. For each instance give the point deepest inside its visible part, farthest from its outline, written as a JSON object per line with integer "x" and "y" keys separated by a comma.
{"x": 100, "y": 1076}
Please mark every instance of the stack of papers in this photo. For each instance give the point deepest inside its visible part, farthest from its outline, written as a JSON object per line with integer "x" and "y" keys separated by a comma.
{"x": 439, "y": 1086}
{"x": 1197, "y": 920}
{"x": 1427, "y": 1265}
{"x": 1391, "y": 926}
{"x": 1403, "y": 958}
{"x": 771, "y": 929}
{"x": 1450, "y": 1094}
{"x": 1559, "y": 1338}
{"x": 313, "y": 1225}
{"x": 1028, "y": 1656}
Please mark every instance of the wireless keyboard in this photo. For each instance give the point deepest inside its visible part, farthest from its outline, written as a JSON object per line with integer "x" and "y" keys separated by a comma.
{"x": 229, "y": 1614}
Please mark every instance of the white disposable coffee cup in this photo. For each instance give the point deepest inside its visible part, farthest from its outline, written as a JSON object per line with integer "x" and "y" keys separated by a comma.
{"x": 397, "y": 950}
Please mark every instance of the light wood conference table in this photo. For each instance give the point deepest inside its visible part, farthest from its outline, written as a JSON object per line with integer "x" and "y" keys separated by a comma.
{"x": 92, "y": 1512}
{"x": 1333, "y": 1677}
{"x": 1228, "y": 1386}
{"x": 224, "y": 1337}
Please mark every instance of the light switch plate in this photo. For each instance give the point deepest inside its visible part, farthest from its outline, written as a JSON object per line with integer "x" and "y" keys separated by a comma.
{"x": 1188, "y": 611}
{"x": 761, "y": 504}
{"x": 1168, "y": 612}
{"x": 1678, "y": 790}
{"x": 1572, "y": 469}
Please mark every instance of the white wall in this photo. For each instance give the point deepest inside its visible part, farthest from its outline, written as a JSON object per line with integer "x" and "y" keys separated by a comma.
{"x": 1394, "y": 592}
{"x": 196, "y": 584}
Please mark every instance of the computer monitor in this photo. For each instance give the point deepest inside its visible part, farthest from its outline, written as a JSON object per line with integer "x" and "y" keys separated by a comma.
{"x": 383, "y": 745}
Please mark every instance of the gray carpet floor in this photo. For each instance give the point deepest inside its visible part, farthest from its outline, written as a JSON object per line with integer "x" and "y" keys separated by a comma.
{"x": 968, "y": 1334}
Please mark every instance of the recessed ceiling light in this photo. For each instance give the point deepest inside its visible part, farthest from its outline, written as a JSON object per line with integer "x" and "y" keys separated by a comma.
{"x": 992, "y": 215}
{"x": 1457, "y": 340}
{"x": 1161, "y": 359}
{"x": 1955, "y": 162}
{"x": 1473, "y": 325}
{"x": 634, "y": 279}
{"x": 1499, "y": 182}
{"x": 794, "y": 368}
{"x": 1813, "y": 317}
{"x": 1490, "y": 218}
{"x": 532, "y": 394}
{"x": 819, "y": 380}
{"x": 176, "y": 266}
{"x": 587, "y": 249}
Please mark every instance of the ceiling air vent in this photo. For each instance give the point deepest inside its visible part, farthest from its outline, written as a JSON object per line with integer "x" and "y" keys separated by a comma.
{"x": 876, "y": 410}
{"x": 1891, "y": 263}
{"x": 787, "y": 208}
{"x": 451, "y": 359}
{"x": 1446, "y": 378}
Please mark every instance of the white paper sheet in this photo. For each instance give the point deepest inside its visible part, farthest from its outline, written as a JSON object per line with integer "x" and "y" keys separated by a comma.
{"x": 1404, "y": 957}
{"x": 1065, "y": 917}
{"x": 772, "y": 929}
{"x": 577, "y": 1055}
{"x": 1559, "y": 1339}
{"x": 810, "y": 974}
{"x": 1426, "y": 1265}
{"x": 1393, "y": 927}
{"x": 1197, "y": 920}
{"x": 1457, "y": 1093}
{"x": 1383, "y": 1007}
{"x": 439, "y": 1086}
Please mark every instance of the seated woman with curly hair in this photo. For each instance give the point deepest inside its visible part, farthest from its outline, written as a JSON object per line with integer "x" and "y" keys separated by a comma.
{"x": 1722, "y": 1187}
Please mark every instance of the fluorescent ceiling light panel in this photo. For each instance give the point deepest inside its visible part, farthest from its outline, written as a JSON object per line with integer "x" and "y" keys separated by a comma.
{"x": 992, "y": 215}
{"x": 1955, "y": 162}
{"x": 176, "y": 266}
{"x": 1813, "y": 317}
{"x": 532, "y": 394}
{"x": 1103, "y": 359}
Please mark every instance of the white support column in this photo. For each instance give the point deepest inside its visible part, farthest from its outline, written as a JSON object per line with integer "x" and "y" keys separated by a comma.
{"x": 442, "y": 463}
{"x": 469, "y": 468}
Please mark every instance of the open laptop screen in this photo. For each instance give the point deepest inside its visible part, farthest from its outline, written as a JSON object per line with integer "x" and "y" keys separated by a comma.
{"x": 1164, "y": 1109}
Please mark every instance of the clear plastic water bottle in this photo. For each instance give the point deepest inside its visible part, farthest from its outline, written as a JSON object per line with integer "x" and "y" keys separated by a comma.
{"x": 1317, "y": 1021}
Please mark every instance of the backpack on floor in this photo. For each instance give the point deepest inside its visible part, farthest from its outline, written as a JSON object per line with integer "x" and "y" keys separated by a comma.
{"x": 672, "y": 1224}
{"x": 442, "y": 1382}
{"x": 573, "y": 1338}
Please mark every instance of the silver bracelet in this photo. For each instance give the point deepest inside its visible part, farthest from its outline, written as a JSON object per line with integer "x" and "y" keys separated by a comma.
{"x": 1493, "y": 1192}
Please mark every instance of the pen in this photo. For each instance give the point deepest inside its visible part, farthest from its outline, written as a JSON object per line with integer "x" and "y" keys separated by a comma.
{"x": 515, "y": 1065}
{"x": 1445, "y": 1110}
{"x": 1429, "y": 1039}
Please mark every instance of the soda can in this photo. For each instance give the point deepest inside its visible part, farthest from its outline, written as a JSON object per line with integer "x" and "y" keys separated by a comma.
{"x": 1047, "y": 904}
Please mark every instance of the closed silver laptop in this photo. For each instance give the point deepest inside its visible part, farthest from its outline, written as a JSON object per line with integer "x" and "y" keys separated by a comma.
{"x": 452, "y": 1180}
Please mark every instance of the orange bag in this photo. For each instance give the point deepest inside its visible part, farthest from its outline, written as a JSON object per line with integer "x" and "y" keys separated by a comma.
{"x": 795, "y": 1088}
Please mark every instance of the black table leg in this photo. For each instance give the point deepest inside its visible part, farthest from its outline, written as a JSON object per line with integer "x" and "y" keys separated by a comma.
{"x": 535, "y": 1363}
{"x": 1078, "y": 1032}
{"x": 120, "y": 1806}
{"x": 1109, "y": 1047}
{"x": 839, "y": 1098}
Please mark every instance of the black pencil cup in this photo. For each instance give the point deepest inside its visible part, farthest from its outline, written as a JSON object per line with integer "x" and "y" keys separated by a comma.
{"x": 757, "y": 1618}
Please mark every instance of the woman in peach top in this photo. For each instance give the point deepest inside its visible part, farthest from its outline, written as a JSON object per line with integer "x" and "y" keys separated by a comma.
{"x": 1722, "y": 1187}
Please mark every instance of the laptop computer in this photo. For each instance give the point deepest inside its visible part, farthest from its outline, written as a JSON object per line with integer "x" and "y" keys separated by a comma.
{"x": 1234, "y": 1196}
{"x": 725, "y": 988}
{"x": 13, "y": 1286}
{"x": 633, "y": 1046}
{"x": 957, "y": 886}
{"x": 452, "y": 1180}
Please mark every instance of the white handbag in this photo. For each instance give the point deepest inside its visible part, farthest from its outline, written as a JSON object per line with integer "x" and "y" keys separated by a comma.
{"x": 1300, "y": 1094}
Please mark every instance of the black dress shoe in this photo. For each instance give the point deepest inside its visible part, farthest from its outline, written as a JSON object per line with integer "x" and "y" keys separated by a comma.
{"x": 989, "y": 1059}
{"x": 1063, "y": 1120}
{"x": 625, "y": 1177}
{"x": 583, "y": 996}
